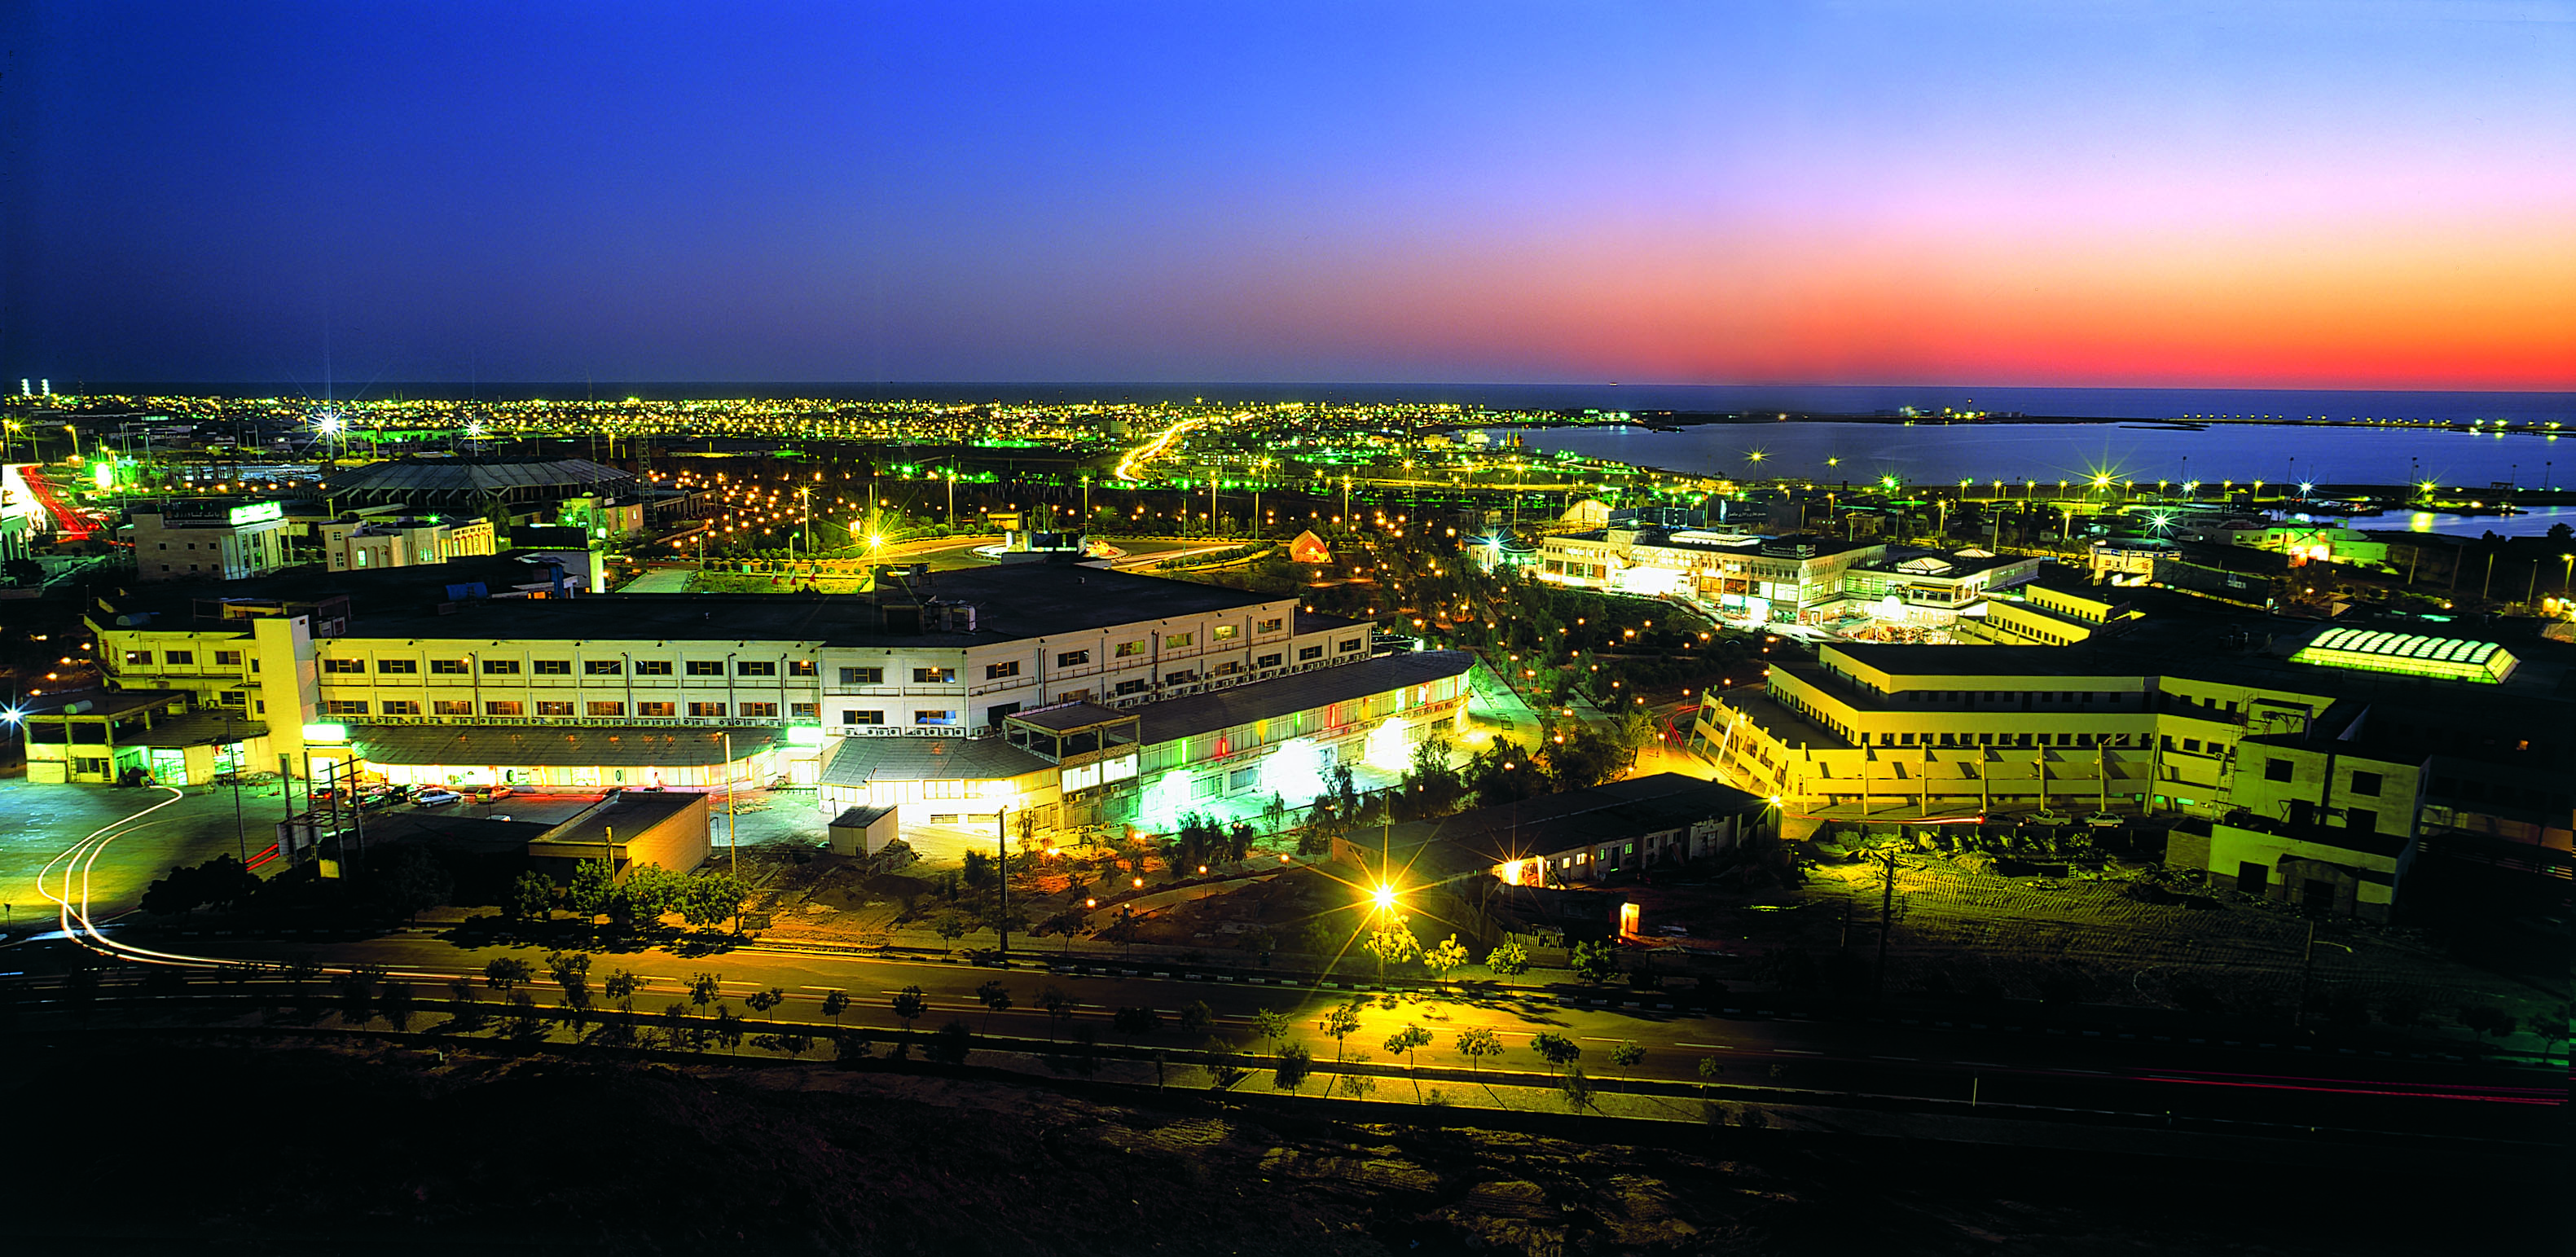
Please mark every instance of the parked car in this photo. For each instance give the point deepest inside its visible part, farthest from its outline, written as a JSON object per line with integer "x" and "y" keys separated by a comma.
{"x": 2047, "y": 818}
{"x": 493, "y": 794}
{"x": 2103, "y": 820}
{"x": 435, "y": 797}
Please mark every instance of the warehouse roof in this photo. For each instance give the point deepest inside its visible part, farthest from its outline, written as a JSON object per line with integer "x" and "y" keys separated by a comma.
{"x": 573, "y": 746}
{"x": 477, "y": 475}
{"x": 1304, "y": 691}
{"x": 860, "y": 760}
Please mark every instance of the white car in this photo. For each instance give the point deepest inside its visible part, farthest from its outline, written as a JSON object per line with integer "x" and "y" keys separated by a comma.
{"x": 2103, "y": 820}
{"x": 2047, "y": 818}
{"x": 435, "y": 798}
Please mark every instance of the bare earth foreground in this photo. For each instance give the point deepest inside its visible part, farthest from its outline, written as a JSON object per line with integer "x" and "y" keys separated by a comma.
{"x": 153, "y": 1143}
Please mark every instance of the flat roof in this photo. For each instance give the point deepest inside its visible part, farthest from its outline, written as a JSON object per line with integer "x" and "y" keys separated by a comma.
{"x": 104, "y": 704}
{"x": 569, "y": 746}
{"x": 860, "y": 760}
{"x": 861, "y": 817}
{"x": 1064, "y": 717}
{"x": 630, "y": 810}
{"x": 1562, "y": 822}
{"x": 1012, "y": 601}
{"x": 1234, "y": 705}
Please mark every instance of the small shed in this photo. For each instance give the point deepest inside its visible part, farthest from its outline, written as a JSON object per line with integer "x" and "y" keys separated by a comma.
{"x": 863, "y": 830}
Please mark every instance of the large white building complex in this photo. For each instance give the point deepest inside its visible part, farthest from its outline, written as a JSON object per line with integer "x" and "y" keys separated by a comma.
{"x": 2310, "y": 762}
{"x": 1081, "y": 695}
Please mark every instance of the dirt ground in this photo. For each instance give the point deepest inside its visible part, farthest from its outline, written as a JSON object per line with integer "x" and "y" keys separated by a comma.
{"x": 375, "y": 1150}
{"x": 1963, "y": 930}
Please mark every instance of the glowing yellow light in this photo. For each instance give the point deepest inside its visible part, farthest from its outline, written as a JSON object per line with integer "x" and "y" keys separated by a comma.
{"x": 1385, "y": 896}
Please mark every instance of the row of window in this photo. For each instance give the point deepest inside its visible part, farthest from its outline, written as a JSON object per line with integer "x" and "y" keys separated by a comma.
{"x": 2027, "y": 740}
{"x": 557, "y": 667}
{"x": 184, "y": 658}
{"x": 877, "y": 717}
{"x": 459, "y": 707}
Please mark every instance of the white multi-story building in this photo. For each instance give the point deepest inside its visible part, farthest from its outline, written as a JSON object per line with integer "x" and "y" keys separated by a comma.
{"x": 490, "y": 673}
{"x": 223, "y": 541}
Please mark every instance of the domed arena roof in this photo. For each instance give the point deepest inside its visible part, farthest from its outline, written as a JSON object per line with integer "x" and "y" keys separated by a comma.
{"x": 450, "y": 479}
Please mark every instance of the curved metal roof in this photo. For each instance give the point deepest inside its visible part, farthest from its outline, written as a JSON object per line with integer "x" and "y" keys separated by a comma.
{"x": 2404, "y": 645}
{"x": 469, "y": 475}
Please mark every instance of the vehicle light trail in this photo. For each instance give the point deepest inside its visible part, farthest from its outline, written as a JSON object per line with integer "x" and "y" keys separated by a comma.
{"x": 1132, "y": 466}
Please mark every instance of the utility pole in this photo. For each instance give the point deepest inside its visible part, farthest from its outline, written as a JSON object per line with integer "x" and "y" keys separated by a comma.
{"x": 733, "y": 850}
{"x": 1002, "y": 872}
{"x": 241, "y": 838}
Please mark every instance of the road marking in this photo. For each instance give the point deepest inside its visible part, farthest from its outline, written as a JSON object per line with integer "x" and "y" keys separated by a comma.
{"x": 1894, "y": 1058}
{"x": 1718, "y": 1046}
{"x": 1984, "y": 1064}
{"x": 1799, "y": 1051}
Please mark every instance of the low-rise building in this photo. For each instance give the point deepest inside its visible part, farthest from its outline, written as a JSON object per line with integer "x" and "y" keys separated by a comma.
{"x": 2314, "y": 774}
{"x": 209, "y": 541}
{"x": 362, "y": 543}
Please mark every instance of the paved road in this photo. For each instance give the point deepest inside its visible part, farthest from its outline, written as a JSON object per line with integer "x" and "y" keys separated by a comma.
{"x": 2005, "y": 1058}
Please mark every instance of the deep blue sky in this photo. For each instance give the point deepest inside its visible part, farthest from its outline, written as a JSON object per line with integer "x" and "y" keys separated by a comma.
{"x": 2295, "y": 195}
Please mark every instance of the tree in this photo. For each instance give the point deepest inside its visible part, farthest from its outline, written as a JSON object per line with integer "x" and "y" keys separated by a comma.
{"x": 728, "y": 1028}
{"x": 979, "y": 869}
{"x": 357, "y": 997}
{"x": 571, "y": 970}
{"x": 1577, "y": 1089}
{"x": 1342, "y": 1022}
{"x": 1272, "y": 1025}
{"x": 1409, "y": 1040}
{"x": 504, "y": 972}
{"x": 909, "y": 1005}
{"x": 677, "y": 1028}
{"x": 620, "y": 987}
{"x": 594, "y": 884}
{"x": 950, "y": 1043}
{"x": 705, "y": 989}
{"x": 1710, "y": 1067}
{"x": 997, "y": 999}
{"x": 1595, "y": 962}
{"x": 1131, "y": 1022}
{"x": 1392, "y": 942}
{"x": 396, "y": 1003}
{"x": 648, "y": 892}
{"x": 1058, "y": 1005}
{"x": 1507, "y": 959}
{"x": 1196, "y": 1018}
{"x": 2488, "y": 1019}
{"x": 532, "y": 898}
{"x": 835, "y": 1002}
{"x": 410, "y": 879}
{"x": 1295, "y": 1062}
{"x": 463, "y": 1012}
{"x": 709, "y": 899}
{"x": 949, "y": 926}
{"x": 762, "y": 1001}
{"x": 1477, "y": 1044}
{"x": 1556, "y": 1049}
{"x": 525, "y": 1021}
{"x": 1441, "y": 958}
{"x": 2552, "y": 1027}
{"x": 1626, "y": 1056}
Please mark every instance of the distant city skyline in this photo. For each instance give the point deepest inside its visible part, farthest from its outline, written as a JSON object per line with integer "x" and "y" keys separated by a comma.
{"x": 2270, "y": 196}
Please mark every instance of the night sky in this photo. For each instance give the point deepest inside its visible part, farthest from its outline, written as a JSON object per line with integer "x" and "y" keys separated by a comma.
{"x": 2301, "y": 195}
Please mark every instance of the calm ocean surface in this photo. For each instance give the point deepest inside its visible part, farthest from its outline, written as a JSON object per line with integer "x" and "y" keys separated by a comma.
{"x": 2107, "y": 403}
{"x": 2048, "y": 453}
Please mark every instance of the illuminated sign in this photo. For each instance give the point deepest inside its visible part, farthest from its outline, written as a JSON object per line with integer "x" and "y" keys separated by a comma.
{"x": 256, "y": 512}
{"x": 103, "y": 475}
{"x": 326, "y": 733}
